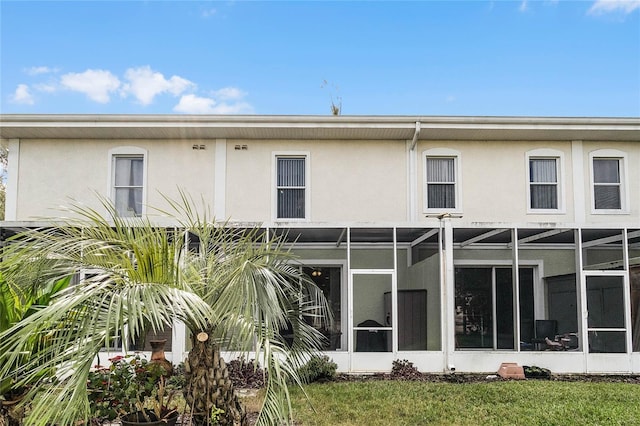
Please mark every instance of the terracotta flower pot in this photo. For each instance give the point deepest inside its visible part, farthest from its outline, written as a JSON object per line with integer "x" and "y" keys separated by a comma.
{"x": 157, "y": 355}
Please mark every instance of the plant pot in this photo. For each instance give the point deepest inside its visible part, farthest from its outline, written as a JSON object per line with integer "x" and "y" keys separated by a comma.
{"x": 157, "y": 355}
{"x": 138, "y": 418}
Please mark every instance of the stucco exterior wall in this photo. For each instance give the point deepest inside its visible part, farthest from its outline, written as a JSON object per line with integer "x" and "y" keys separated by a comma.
{"x": 494, "y": 178}
{"x": 349, "y": 180}
{"x": 52, "y": 172}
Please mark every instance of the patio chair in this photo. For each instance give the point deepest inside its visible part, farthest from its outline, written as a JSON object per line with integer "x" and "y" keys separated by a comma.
{"x": 545, "y": 329}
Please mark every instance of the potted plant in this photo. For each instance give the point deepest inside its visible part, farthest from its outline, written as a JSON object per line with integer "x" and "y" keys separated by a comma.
{"x": 154, "y": 410}
{"x": 133, "y": 390}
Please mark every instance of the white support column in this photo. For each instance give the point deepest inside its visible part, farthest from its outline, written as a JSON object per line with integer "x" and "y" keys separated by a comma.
{"x": 412, "y": 187}
{"x": 179, "y": 342}
{"x": 516, "y": 289}
{"x": 11, "y": 200}
{"x": 577, "y": 165}
{"x": 627, "y": 292}
{"x": 581, "y": 288}
{"x": 448, "y": 292}
{"x": 220, "y": 173}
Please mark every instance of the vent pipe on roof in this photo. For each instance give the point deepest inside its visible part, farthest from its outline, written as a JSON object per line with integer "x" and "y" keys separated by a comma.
{"x": 415, "y": 136}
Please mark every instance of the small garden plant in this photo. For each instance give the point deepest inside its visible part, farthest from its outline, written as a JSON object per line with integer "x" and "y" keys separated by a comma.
{"x": 123, "y": 387}
{"x": 318, "y": 369}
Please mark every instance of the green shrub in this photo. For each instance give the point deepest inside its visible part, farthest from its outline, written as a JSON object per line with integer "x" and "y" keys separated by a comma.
{"x": 318, "y": 369}
{"x": 117, "y": 390}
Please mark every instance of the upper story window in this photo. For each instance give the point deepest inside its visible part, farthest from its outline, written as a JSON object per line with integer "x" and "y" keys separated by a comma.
{"x": 127, "y": 180}
{"x": 608, "y": 181}
{"x": 545, "y": 189}
{"x": 543, "y": 183}
{"x": 291, "y": 186}
{"x": 441, "y": 180}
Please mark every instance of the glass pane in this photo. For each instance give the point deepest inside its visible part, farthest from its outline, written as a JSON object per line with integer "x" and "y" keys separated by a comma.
{"x": 602, "y": 249}
{"x": 372, "y": 311}
{"x": 441, "y": 170}
{"x": 474, "y": 313}
{"x": 441, "y": 196}
{"x": 607, "y": 341}
{"x": 128, "y": 171}
{"x": 128, "y": 201}
{"x": 291, "y": 172}
{"x": 605, "y": 302}
{"x": 543, "y": 170}
{"x": 328, "y": 280}
{"x": 291, "y": 203}
{"x": 607, "y": 197}
{"x": 606, "y": 171}
{"x": 544, "y": 197}
{"x": 526, "y": 306}
{"x": 504, "y": 308}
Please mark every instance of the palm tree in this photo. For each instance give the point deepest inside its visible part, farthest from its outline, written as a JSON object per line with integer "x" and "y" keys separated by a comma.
{"x": 232, "y": 287}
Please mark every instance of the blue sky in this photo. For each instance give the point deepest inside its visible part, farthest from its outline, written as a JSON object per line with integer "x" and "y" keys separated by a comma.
{"x": 532, "y": 58}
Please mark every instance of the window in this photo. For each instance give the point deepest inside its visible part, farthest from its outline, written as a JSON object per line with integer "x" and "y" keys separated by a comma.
{"x": 441, "y": 180}
{"x": 484, "y": 307}
{"x": 543, "y": 183}
{"x": 545, "y": 189}
{"x": 291, "y": 187}
{"x": 606, "y": 184}
{"x": 608, "y": 177}
{"x": 128, "y": 172}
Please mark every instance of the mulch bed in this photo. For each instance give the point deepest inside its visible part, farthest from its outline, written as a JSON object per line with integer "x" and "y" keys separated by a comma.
{"x": 486, "y": 377}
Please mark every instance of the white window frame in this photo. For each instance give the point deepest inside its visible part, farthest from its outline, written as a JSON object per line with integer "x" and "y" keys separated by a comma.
{"x": 610, "y": 154}
{"x": 127, "y": 151}
{"x": 307, "y": 185}
{"x": 547, "y": 154}
{"x": 457, "y": 159}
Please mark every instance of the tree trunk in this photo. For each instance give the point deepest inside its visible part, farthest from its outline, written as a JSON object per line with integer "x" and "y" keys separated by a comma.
{"x": 209, "y": 385}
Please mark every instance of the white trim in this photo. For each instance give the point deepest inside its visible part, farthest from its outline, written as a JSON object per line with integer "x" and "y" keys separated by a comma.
{"x": 444, "y": 153}
{"x": 13, "y": 173}
{"x": 412, "y": 187}
{"x": 577, "y": 163}
{"x": 123, "y": 151}
{"x": 220, "y": 180}
{"x": 547, "y": 154}
{"x": 274, "y": 185}
{"x": 612, "y": 154}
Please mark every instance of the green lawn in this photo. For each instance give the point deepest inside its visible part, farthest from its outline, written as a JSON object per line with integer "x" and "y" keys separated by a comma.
{"x": 492, "y": 403}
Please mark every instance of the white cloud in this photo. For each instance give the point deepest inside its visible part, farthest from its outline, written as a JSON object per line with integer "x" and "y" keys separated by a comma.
{"x": 192, "y": 104}
{"x": 40, "y": 70}
{"x": 22, "y": 95}
{"x": 145, "y": 84}
{"x": 229, "y": 93}
{"x": 96, "y": 84}
{"x": 608, "y": 6}
{"x": 44, "y": 87}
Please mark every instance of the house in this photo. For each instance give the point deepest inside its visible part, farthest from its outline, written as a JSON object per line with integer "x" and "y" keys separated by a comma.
{"x": 452, "y": 242}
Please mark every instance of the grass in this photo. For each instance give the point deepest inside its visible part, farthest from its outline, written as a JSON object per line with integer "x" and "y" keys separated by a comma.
{"x": 530, "y": 402}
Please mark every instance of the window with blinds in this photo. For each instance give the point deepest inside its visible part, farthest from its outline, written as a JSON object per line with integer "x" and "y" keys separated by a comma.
{"x": 291, "y": 187}
{"x": 441, "y": 182}
{"x": 128, "y": 184}
{"x": 607, "y": 184}
{"x": 543, "y": 183}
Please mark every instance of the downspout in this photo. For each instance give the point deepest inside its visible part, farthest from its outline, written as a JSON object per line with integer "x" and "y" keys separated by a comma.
{"x": 412, "y": 170}
{"x": 416, "y": 133}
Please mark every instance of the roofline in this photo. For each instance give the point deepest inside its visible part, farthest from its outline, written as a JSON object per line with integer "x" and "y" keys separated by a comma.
{"x": 59, "y": 126}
